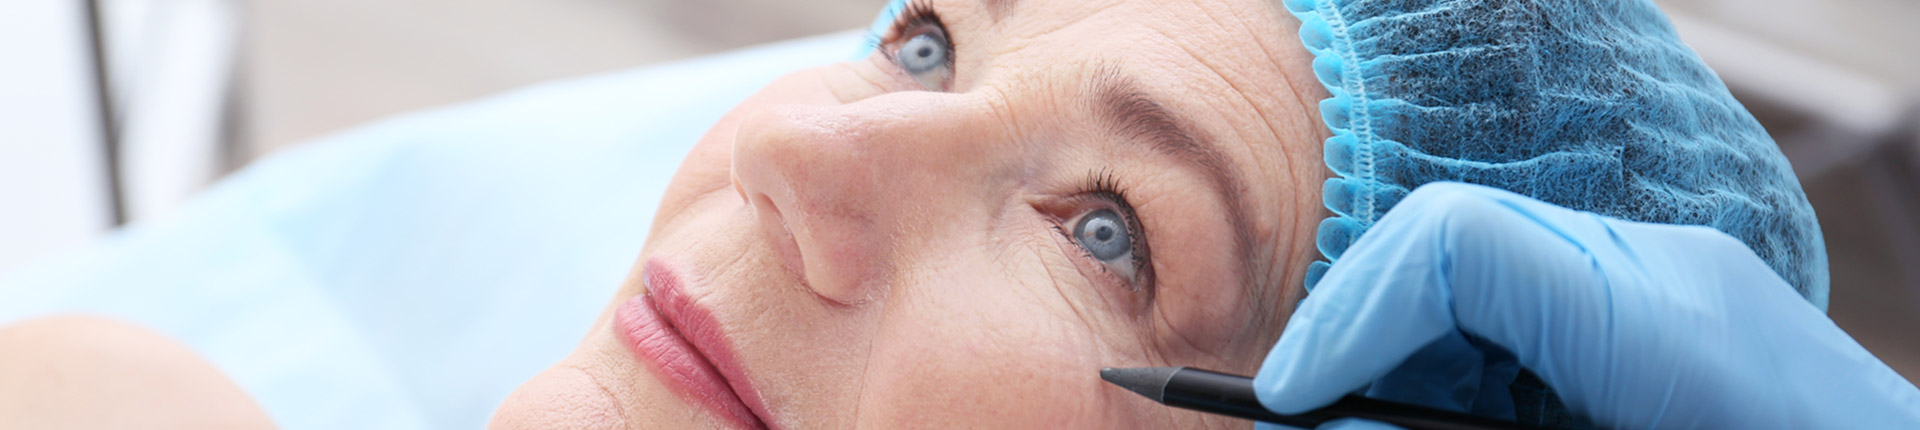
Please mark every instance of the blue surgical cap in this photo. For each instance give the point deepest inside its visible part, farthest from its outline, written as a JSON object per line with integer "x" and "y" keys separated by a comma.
{"x": 1593, "y": 105}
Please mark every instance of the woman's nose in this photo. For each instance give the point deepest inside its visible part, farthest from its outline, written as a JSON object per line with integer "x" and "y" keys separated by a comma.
{"x": 837, "y": 188}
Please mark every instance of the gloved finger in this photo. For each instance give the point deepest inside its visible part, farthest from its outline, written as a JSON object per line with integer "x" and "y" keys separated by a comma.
{"x": 1394, "y": 291}
{"x": 1271, "y": 426}
{"x": 1446, "y": 374}
{"x": 1356, "y": 424}
{"x": 1456, "y": 374}
{"x": 1498, "y": 371}
{"x": 1339, "y": 424}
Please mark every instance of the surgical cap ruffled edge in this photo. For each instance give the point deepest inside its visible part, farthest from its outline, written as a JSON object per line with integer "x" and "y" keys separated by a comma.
{"x": 1350, "y": 151}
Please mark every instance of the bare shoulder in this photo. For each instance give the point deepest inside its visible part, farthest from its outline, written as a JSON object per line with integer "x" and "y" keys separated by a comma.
{"x": 90, "y": 372}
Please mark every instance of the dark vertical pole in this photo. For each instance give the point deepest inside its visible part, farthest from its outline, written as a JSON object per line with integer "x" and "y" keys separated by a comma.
{"x": 109, "y": 119}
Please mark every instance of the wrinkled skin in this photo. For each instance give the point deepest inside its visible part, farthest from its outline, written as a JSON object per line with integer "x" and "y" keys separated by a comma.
{"x": 880, "y": 255}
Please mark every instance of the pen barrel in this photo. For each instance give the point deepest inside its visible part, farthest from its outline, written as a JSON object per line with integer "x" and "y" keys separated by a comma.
{"x": 1229, "y": 395}
{"x": 1234, "y": 396}
{"x": 1414, "y": 417}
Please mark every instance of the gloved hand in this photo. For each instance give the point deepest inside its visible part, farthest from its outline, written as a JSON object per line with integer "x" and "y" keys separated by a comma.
{"x": 1633, "y": 325}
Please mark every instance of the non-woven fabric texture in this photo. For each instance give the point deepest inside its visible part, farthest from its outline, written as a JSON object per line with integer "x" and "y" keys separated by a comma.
{"x": 1594, "y": 105}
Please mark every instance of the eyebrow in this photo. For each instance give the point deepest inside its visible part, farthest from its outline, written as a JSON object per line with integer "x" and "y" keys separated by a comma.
{"x": 1134, "y": 114}
{"x": 999, "y": 8}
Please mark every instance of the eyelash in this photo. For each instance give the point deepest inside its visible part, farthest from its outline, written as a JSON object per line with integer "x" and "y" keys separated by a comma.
{"x": 1103, "y": 186}
{"x": 918, "y": 15}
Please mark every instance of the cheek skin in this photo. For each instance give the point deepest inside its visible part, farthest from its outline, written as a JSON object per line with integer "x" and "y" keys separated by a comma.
{"x": 990, "y": 340}
{"x": 999, "y": 348}
{"x": 986, "y": 363}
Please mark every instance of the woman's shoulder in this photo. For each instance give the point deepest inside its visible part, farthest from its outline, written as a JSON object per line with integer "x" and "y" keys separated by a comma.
{"x": 93, "y": 372}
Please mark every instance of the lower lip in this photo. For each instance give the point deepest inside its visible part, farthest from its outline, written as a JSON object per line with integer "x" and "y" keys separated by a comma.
{"x": 654, "y": 339}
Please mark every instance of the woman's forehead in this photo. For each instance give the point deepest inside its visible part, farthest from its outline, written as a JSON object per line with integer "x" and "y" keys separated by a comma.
{"x": 1215, "y": 63}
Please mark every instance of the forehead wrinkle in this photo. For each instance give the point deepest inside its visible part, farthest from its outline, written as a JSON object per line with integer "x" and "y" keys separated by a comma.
{"x": 1135, "y": 115}
{"x": 1257, "y": 297}
{"x": 1086, "y": 12}
{"x": 1308, "y": 106}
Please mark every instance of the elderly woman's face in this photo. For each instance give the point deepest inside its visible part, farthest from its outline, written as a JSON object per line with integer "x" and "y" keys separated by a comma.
{"x": 962, "y": 229}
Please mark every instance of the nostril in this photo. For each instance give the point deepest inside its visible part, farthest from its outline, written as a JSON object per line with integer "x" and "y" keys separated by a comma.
{"x": 780, "y": 237}
{"x": 734, "y": 177}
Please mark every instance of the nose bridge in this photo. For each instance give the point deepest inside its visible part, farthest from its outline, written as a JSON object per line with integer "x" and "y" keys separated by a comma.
{"x": 819, "y": 158}
{"x": 844, "y": 178}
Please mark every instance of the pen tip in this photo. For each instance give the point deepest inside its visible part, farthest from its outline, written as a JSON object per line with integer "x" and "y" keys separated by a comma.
{"x": 1147, "y": 381}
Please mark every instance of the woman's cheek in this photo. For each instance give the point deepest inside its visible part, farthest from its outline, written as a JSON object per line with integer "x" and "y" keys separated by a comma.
{"x": 983, "y": 361}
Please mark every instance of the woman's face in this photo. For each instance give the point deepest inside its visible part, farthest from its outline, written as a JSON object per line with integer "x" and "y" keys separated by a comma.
{"x": 962, "y": 229}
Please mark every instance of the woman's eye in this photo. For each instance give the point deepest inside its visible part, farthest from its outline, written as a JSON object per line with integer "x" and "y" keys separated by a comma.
{"x": 928, "y": 58}
{"x": 1105, "y": 236}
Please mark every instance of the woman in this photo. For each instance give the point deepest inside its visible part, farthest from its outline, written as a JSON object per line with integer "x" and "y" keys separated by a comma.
{"x": 961, "y": 229}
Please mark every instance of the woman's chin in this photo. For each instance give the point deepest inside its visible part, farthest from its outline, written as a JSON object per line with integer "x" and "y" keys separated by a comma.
{"x": 560, "y": 397}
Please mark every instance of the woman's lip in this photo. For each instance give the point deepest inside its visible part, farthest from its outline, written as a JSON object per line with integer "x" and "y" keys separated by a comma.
{"x": 686, "y": 346}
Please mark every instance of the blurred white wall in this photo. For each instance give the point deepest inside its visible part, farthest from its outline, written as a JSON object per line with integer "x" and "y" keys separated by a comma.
{"x": 173, "y": 68}
{"x": 317, "y": 66}
{"x": 199, "y": 87}
{"x": 52, "y": 172}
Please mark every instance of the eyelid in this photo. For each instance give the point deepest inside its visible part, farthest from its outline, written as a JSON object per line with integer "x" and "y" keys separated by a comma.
{"x": 918, "y": 15}
{"x": 919, "y": 18}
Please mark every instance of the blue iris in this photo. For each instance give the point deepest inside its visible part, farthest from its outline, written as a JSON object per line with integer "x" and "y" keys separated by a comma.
{"x": 923, "y": 54}
{"x": 1103, "y": 235}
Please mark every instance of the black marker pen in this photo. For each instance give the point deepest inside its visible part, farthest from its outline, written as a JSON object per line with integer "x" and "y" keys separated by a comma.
{"x": 1231, "y": 395}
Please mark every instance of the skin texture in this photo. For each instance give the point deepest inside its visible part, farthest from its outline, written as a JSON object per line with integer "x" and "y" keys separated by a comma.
{"x": 91, "y": 373}
{"x": 884, "y": 255}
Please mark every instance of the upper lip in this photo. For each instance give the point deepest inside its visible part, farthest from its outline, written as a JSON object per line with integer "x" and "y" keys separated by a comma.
{"x": 703, "y": 332}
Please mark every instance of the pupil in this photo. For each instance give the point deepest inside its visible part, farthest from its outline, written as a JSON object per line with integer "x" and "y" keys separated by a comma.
{"x": 1102, "y": 236}
{"x": 926, "y": 51}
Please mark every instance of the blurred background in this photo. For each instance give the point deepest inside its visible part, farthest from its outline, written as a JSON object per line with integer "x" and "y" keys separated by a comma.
{"x": 114, "y": 111}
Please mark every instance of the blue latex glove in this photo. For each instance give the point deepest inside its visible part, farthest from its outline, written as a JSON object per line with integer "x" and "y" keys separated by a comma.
{"x": 1634, "y": 325}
